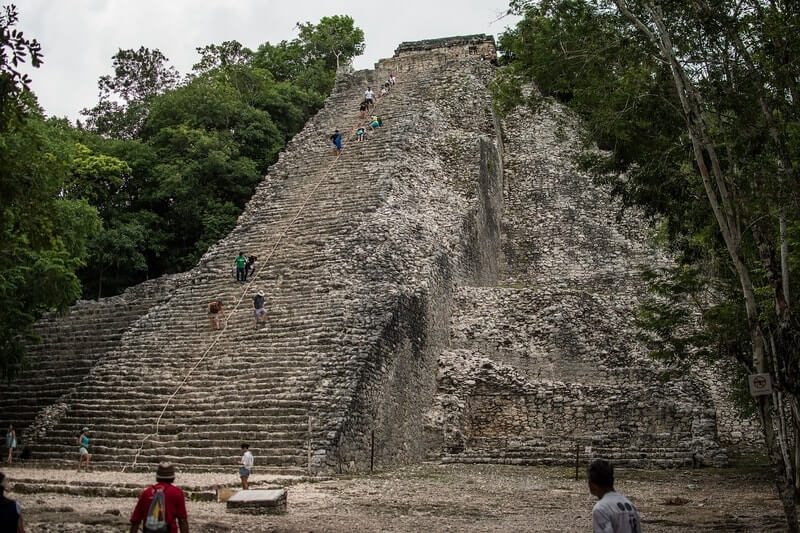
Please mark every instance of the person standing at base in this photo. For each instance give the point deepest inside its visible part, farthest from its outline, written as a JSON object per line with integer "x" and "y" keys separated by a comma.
{"x": 247, "y": 465}
{"x": 613, "y": 513}
{"x": 10, "y": 511}
{"x": 11, "y": 442}
{"x": 83, "y": 449}
{"x": 173, "y": 512}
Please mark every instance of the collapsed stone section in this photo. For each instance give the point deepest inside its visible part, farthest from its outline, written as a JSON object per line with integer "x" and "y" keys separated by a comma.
{"x": 548, "y": 361}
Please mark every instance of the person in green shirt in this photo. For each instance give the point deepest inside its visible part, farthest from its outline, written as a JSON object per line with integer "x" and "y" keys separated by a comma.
{"x": 241, "y": 272}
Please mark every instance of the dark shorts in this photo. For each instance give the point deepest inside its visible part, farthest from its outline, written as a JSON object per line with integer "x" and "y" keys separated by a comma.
{"x": 243, "y": 472}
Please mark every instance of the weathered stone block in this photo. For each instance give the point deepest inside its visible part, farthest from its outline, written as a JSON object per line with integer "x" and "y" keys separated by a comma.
{"x": 258, "y": 501}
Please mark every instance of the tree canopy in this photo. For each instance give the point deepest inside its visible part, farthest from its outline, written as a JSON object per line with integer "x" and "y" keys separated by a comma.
{"x": 695, "y": 105}
{"x": 161, "y": 169}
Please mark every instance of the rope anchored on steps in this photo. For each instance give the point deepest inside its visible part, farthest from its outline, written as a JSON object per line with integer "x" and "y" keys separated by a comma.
{"x": 221, "y": 332}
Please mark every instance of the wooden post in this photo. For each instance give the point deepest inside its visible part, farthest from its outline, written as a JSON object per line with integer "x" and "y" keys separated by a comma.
{"x": 309, "y": 445}
{"x": 372, "y": 451}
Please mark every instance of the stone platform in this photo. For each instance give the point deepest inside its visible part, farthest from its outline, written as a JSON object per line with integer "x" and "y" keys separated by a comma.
{"x": 258, "y": 501}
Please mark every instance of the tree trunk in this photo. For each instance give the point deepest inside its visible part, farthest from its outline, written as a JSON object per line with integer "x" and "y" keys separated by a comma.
{"x": 728, "y": 221}
{"x": 786, "y": 489}
{"x": 784, "y": 258}
{"x": 100, "y": 283}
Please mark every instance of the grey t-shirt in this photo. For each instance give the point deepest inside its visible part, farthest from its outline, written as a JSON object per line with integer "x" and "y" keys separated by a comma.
{"x": 614, "y": 513}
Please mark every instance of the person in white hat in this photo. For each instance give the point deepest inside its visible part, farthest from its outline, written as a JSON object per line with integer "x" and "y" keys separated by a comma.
{"x": 259, "y": 312}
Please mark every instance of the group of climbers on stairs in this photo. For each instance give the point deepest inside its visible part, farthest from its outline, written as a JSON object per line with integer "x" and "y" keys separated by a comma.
{"x": 245, "y": 267}
{"x": 364, "y": 107}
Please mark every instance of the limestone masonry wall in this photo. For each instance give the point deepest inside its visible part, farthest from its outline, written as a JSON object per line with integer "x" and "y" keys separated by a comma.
{"x": 548, "y": 360}
{"x": 451, "y": 288}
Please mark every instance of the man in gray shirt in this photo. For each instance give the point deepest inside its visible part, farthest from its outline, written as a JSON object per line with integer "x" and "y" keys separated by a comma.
{"x": 613, "y": 513}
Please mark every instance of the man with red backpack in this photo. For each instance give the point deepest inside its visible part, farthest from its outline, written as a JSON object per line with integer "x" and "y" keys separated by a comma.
{"x": 162, "y": 507}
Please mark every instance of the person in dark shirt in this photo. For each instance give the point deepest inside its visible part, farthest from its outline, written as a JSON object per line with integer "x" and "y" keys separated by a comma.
{"x": 337, "y": 141}
{"x": 10, "y": 511}
{"x": 250, "y": 267}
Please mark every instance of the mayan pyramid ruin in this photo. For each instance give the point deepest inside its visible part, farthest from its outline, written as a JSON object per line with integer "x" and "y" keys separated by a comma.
{"x": 453, "y": 288}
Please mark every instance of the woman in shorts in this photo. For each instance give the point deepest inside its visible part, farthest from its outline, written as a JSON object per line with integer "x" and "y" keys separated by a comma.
{"x": 83, "y": 449}
{"x": 11, "y": 442}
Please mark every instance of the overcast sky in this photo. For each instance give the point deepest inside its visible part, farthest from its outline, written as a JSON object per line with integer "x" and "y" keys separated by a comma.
{"x": 79, "y": 37}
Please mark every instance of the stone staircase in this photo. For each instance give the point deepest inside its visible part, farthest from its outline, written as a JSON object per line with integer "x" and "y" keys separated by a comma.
{"x": 353, "y": 254}
{"x": 71, "y": 345}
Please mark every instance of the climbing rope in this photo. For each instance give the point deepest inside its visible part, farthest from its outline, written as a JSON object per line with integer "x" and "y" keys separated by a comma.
{"x": 241, "y": 298}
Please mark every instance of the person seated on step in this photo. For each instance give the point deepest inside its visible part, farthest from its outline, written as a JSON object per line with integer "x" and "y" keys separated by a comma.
{"x": 214, "y": 312}
{"x": 337, "y": 142}
{"x": 384, "y": 89}
{"x": 375, "y": 122}
{"x": 258, "y": 308}
{"x": 360, "y": 132}
{"x": 250, "y": 267}
{"x": 364, "y": 107}
{"x": 392, "y": 79}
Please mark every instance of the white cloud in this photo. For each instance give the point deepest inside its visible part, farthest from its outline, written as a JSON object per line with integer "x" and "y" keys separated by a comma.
{"x": 79, "y": 36}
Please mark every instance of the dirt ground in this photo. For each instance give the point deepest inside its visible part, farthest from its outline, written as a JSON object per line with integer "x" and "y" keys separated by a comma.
{"x": 432, "y": 497}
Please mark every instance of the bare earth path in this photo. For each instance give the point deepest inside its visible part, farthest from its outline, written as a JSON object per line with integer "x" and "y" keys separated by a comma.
{"x": 430, "y": 498}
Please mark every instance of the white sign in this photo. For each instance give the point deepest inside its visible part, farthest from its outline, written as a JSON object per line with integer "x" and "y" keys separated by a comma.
{"x": 760, "y": 384}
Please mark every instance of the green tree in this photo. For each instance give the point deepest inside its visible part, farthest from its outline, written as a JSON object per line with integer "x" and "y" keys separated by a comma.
{"x": 222, "y": 56}
{"x": 311, "y": 60}
{"x": 14, "y": 47}
{"x": 43, "y": 234}
{"x": 194, "y": 152}
{"x": 125, "y": 98}
{"x": 697, "y": 103}
{"x": 43, "y": 238}
{"x": 334, "y": 40}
